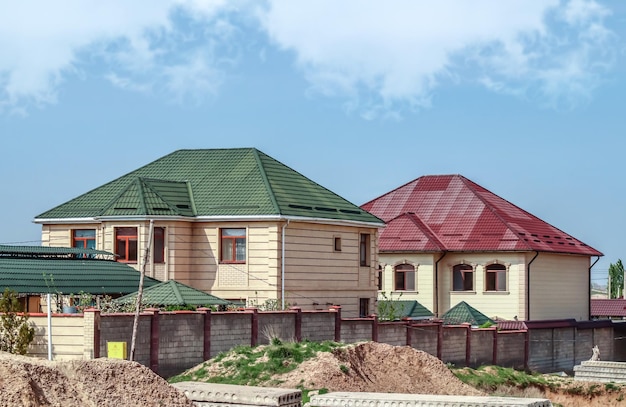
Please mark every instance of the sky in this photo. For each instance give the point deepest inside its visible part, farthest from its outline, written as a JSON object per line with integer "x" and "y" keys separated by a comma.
{"x": 525, "y": 98}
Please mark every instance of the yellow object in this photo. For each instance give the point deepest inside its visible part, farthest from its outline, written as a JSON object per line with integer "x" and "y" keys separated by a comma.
{"x": 116, "y": 350}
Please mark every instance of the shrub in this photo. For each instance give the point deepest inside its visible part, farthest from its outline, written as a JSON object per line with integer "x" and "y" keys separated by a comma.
{"x": 15, "y": 332}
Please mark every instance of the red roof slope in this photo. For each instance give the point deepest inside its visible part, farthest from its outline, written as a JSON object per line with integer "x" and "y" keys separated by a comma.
{"x": 452, "y": 213}
{"x": 608, "y": 308}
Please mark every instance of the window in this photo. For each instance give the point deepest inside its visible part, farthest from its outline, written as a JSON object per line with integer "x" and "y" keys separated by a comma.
{"x": 364, "y": 307}
{"x": 84, "y": 238}
{"x": 495, "y": 279}
{"x": 158, "y": 255}
{"x": 380, "y": 278}
{"x": 364, "y": 249}
{"x": 233, "y": 245}
{"x": 337, "y": 244}
{"x": 126, "y": 244}
{"x": 463, "y": 278}
{"x": 404, "y": 278}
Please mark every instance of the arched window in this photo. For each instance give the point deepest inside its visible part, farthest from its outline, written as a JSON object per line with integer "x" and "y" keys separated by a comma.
{"x": 495, "y": 277}
{"x": 404, "y": 277}
{"x": 463, "y": 277}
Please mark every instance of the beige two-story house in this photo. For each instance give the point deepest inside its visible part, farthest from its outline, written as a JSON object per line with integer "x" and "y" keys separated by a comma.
{"x": 234, "y": 223}
{"x": 449, "y": 240}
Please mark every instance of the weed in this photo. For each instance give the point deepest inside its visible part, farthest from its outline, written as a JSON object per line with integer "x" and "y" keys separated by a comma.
{"x": 344, "y": 369}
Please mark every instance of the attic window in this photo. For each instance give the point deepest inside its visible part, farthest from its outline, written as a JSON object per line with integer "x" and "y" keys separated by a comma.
{"x": 353, "y": 212}
{"x": 182, "y": 206}
{"x": 321, "y": 208}
{"x": 294, "y": 206}
{"x": 123, "y": 208}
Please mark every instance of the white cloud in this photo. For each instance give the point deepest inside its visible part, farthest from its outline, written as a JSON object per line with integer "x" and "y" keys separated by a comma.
{"x": 382, "y": 55}
{"x": 41, "y": 43}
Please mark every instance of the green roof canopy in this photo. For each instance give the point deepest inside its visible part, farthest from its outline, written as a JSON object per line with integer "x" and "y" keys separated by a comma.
{"x": 212, "y": 183}
{"x": 173, "y": 293}
{"x": 408, "y": 309}
{"x": 465, "y": 313}
{"x": 40, "y": 270}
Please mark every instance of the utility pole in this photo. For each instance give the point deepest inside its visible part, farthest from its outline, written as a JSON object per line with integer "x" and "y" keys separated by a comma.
{"x": 146, "y": 258}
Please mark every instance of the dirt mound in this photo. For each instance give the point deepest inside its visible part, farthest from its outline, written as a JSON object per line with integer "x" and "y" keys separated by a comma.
{"x": 376, "y": 367}
{"x": 31, "y": 382}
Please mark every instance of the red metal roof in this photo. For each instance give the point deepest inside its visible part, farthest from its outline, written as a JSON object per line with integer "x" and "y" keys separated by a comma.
{"x": 608, "y": 308}
{"x": 452, "y": 213}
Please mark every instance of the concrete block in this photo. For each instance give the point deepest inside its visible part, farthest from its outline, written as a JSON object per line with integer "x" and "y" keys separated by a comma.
{"x": 348, "y": 399}
{"x": 233, "y": 394}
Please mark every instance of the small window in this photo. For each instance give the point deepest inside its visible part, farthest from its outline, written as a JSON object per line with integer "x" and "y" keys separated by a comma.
{"x": 495, "y": 278}
{"x": 337, "y": 244}
{"x": 126, "y": 244}
{"x": 233, "y": 245}
{"x": 463, "y": 278}
{"x": 380, "y": 278}
{"x": 84, "y": 238}
{"x": 364, "y": 307}
{"x": 404, "y": 277}
{"x": 158, "y": 255}
{"x": 364, "y": 249}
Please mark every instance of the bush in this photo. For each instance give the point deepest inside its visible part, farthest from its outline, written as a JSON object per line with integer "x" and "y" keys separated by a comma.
{"x": 15, "y": 332}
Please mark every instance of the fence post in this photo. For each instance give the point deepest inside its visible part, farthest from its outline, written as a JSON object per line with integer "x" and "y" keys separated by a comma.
{"x": 527, "y": 350}
{"x": 468, "y": 344}
{"x": 298, "y": 327}
{"x": 206, "y": 351}
{"x": 91, "y": 321}
{"x": 337, "y": 310}
{"x": 440, "y": 340}
{"x": 409, "y": 334}
{"x": 154, "y": 338}
{"x": 494, "y": 357}
{"x": 254, "y": 337}
{"x": 375, "y": 328}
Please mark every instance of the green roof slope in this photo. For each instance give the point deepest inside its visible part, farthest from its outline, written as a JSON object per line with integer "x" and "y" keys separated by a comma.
{"x": 69, "y": 276}
{"x": 465, "y": 313}
{"x": 173, "y": 293}
{"x": 411, "y": 309}
{"x": 220, "y": 182}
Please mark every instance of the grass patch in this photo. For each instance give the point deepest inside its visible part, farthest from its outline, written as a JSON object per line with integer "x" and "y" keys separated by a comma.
{"x": 491, "y": 378}
{"x": 251, "y": 366}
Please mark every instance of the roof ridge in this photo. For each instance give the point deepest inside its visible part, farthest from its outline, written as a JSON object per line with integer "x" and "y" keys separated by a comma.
{"x": 146, "y": 183}
{"x": 115, "y": 198}
{"x": 426, "y": 229}
{"x": 176, "y": 290}
{"x": 266, "y": 181}
{"x": 466, "y": 182}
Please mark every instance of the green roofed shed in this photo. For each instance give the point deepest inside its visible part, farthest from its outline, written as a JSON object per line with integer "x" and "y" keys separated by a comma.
{"x": 54, "y": 270}
{"x": 173, "y": 293}
{"x": 464, "y": 313}
{"x": 410, "y": 309}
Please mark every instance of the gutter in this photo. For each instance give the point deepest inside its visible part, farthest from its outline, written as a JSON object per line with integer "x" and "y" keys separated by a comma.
{"x": 436, "y": 305}
{"x": 528, "y": 286}
{"x": 589, "y": 291}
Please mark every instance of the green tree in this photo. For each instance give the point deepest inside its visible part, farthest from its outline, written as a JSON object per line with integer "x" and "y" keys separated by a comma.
{"x": 616, "y": 279}
{"x": 15, "y": 332}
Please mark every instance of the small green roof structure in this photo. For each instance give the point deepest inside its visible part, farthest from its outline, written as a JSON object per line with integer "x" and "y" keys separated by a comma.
{"x": 63, "y": 270}
{"x": 210, "y": 184}
{"x": 463, "y": 313}
{"x": 173, "y": 293}
{"x": 410, "y": 309}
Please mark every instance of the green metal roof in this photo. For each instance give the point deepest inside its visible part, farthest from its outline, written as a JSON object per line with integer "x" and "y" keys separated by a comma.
{"x": 212, "y": 182}
{"x": 39, "y": 270}
{"x": 464, "y": 313}
{"x": 173, "y": 293}
{"x": 410, "y": 309}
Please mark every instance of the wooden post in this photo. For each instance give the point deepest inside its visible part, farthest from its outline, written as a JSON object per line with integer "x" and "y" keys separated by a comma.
{"x": 146, "y": 258}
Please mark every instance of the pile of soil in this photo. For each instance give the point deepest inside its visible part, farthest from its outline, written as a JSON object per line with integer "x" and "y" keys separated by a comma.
{"x": 376, "y": 367}
{"x": 31, "y": 382}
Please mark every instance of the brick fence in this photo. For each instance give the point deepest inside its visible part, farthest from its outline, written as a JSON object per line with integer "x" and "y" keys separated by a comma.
{"x": 170, "y": 342}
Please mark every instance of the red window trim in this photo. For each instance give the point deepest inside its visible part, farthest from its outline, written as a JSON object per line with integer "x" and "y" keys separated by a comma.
{"x": 233, "y": 246}
{"x": 126, "y": 239}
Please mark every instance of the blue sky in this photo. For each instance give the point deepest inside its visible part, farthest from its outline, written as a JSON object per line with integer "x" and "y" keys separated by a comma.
{"x": 523, "y": 97}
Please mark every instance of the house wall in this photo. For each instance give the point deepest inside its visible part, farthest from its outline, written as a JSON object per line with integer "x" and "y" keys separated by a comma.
{"x": 316, "y": 275}
{"x": 559, "y": 286}
{"x": 424, "y": 278}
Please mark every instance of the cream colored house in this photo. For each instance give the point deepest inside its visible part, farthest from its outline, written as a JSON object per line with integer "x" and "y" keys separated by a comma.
{"x": 234, "y": 223}
{"x": 449, "y": 240}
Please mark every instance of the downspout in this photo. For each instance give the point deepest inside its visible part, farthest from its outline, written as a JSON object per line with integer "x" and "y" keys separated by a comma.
{"x": 589, "y": 291}
{"x": 437, "y": 284}
{"x": 528, "y": 286}
{"x": 282, "y": 266}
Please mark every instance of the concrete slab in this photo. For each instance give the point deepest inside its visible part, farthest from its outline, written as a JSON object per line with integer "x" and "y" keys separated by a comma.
{"x": 348, "y": 399}
{"x": 240, "y": 395}
{"x": 601, "y": 371}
